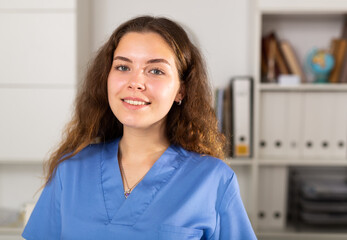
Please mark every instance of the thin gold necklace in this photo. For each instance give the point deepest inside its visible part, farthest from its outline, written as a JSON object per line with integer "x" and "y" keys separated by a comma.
{"x": 127, "y": 192}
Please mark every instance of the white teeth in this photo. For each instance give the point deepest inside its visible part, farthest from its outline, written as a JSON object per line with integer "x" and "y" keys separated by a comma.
{"x": 134, "y": 102}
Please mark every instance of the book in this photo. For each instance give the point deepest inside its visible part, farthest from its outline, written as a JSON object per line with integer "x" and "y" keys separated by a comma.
{"x": 343, "y": 73}
{"x": 338, "y": 49}
{"x": 279, "y": 57}
{"x": 227, "y": 119}
{"x": 264, "y": 62}
{"x": 220, "y": 97}
{"x": 218, "y": 106}
{"x": 273, "y": 62}
{"x": 268, "y": 57}
{"x": 292, "y": 60}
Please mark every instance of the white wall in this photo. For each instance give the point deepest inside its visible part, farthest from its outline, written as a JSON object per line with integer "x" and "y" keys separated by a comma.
{"x": 220, "y": 28}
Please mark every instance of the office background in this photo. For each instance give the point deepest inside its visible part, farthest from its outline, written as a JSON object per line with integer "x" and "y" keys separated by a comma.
{"x": 222, "y": 34}
{"x": 46, "y": 47}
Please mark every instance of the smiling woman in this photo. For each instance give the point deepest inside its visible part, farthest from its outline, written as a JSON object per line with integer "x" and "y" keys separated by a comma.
{"x": 144, "y": 78}
{"x": 140, "y": 157}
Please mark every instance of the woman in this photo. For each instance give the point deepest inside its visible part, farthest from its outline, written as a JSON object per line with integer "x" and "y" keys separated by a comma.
{"x": 146, "y": 101}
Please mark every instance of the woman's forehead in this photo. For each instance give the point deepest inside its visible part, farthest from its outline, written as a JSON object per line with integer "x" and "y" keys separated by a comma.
{"x": 144, "y": 45}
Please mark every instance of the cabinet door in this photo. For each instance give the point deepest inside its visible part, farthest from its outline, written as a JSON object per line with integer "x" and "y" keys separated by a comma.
{"x": 38, "y": 4}
{"x": 339, "y": 127}
{"x": 37, "y": 48}
{"x": 272, "y": 197}
{"x": 32, "y": 121}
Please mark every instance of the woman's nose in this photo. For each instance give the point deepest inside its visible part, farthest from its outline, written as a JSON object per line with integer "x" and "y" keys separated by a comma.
{"x": 134, "y": 85}
{"x": 137, "y": 82}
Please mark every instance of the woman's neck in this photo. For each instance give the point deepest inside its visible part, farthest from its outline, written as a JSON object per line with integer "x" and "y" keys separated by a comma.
{"x": 142, "y": 146}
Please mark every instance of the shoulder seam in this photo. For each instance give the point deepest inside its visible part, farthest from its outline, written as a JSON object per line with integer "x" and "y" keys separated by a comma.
{"x": 219, "y": 206}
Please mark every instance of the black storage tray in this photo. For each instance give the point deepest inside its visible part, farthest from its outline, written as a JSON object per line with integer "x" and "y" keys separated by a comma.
{"x": 324, "y": 219}
{"x": 323, "y": 206}
{"x": 328, "y": 190}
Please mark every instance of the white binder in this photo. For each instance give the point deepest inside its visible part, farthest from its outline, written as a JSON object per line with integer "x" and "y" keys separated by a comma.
{"x": 293, "y": 128}
{"x": 317, "y": 125}
{"x": 272, "y": 197}
{"x": 242, "y": 115}
{"x": 272, "y": 125}
{"x": 339, "y": 127}
{"x": 280, "y": 123}
{"x": 310, "y": 125}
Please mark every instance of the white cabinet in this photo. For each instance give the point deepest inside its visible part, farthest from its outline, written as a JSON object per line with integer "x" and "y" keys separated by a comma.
{"x": 38, "y": 48}
{"x": 38, "y": 80}
{"x": 32, "y": 121}
{"x": 49, "y": 5}
{"x": 309, "y": 120}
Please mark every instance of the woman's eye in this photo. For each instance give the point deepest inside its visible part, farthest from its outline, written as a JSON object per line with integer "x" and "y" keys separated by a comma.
{"x": 122, "y": 68}
{"x": 156, "y": 71}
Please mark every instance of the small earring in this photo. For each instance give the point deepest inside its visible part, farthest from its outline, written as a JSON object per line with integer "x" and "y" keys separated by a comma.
{"x": 179, "y": 102}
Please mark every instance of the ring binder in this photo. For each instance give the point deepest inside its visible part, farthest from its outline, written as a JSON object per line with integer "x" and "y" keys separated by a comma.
{"x": 242, "y": 115}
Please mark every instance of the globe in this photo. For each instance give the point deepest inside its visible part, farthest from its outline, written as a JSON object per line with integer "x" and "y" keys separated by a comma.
{"x": 320, "y": 63}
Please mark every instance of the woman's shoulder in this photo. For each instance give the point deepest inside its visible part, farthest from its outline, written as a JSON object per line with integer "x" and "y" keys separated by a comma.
{"x": 206, "y": 163}
{"x": 88, "y": 156}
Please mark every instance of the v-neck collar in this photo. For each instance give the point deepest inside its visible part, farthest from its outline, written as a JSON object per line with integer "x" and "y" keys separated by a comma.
{"x": 126, "y": 211}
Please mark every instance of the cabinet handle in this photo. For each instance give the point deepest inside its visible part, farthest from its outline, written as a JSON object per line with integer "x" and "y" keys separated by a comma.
{"x": 341, "y": 144}
{"x": 325, "y": 144}
{"x": 261, "y": 214}
{"x": 262, "y": 143}
{"x": 277, "y": 214}
{"x": 278, "y": 143}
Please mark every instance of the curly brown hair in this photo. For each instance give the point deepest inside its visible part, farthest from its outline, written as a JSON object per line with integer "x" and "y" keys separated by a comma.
{"x": 192, "y": 124}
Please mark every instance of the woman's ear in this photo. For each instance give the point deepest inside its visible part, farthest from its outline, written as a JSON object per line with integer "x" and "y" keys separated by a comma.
{"x": 181, "y": 93}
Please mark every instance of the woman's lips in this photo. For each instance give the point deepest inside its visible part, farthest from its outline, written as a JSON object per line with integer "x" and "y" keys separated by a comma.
{"x": 135, "y": 103}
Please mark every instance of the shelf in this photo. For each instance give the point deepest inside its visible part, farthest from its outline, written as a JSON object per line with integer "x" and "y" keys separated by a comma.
{"x": 303, "y": 7}
{"x": 37, "y": 86}
{"x": 292, "y": 234}
{"x": 238, "y": 162}
{"x": 11, "y": 230}
{"x": 342, "y": 87}
{"x": 21, "y": 162}
{"x": 302, "y": 162}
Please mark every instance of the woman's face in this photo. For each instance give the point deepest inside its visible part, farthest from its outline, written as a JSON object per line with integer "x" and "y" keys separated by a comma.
{"x": 143, "y": 81}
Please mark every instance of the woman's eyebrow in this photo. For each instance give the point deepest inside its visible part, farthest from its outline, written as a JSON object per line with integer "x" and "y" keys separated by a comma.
{"x": 158, "y": 60}
{"x": 155, "y": 60}
{"x": 122, "y": 58}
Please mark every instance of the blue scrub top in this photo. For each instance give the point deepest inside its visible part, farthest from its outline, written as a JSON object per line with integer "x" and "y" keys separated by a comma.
{"x": 183, "y": 196}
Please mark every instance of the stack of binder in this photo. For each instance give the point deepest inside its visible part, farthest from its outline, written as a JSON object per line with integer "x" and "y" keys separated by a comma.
{"x": 318, "y": 198}
{"x": 303, "y": 125}
{"x": 280, "y": 125}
